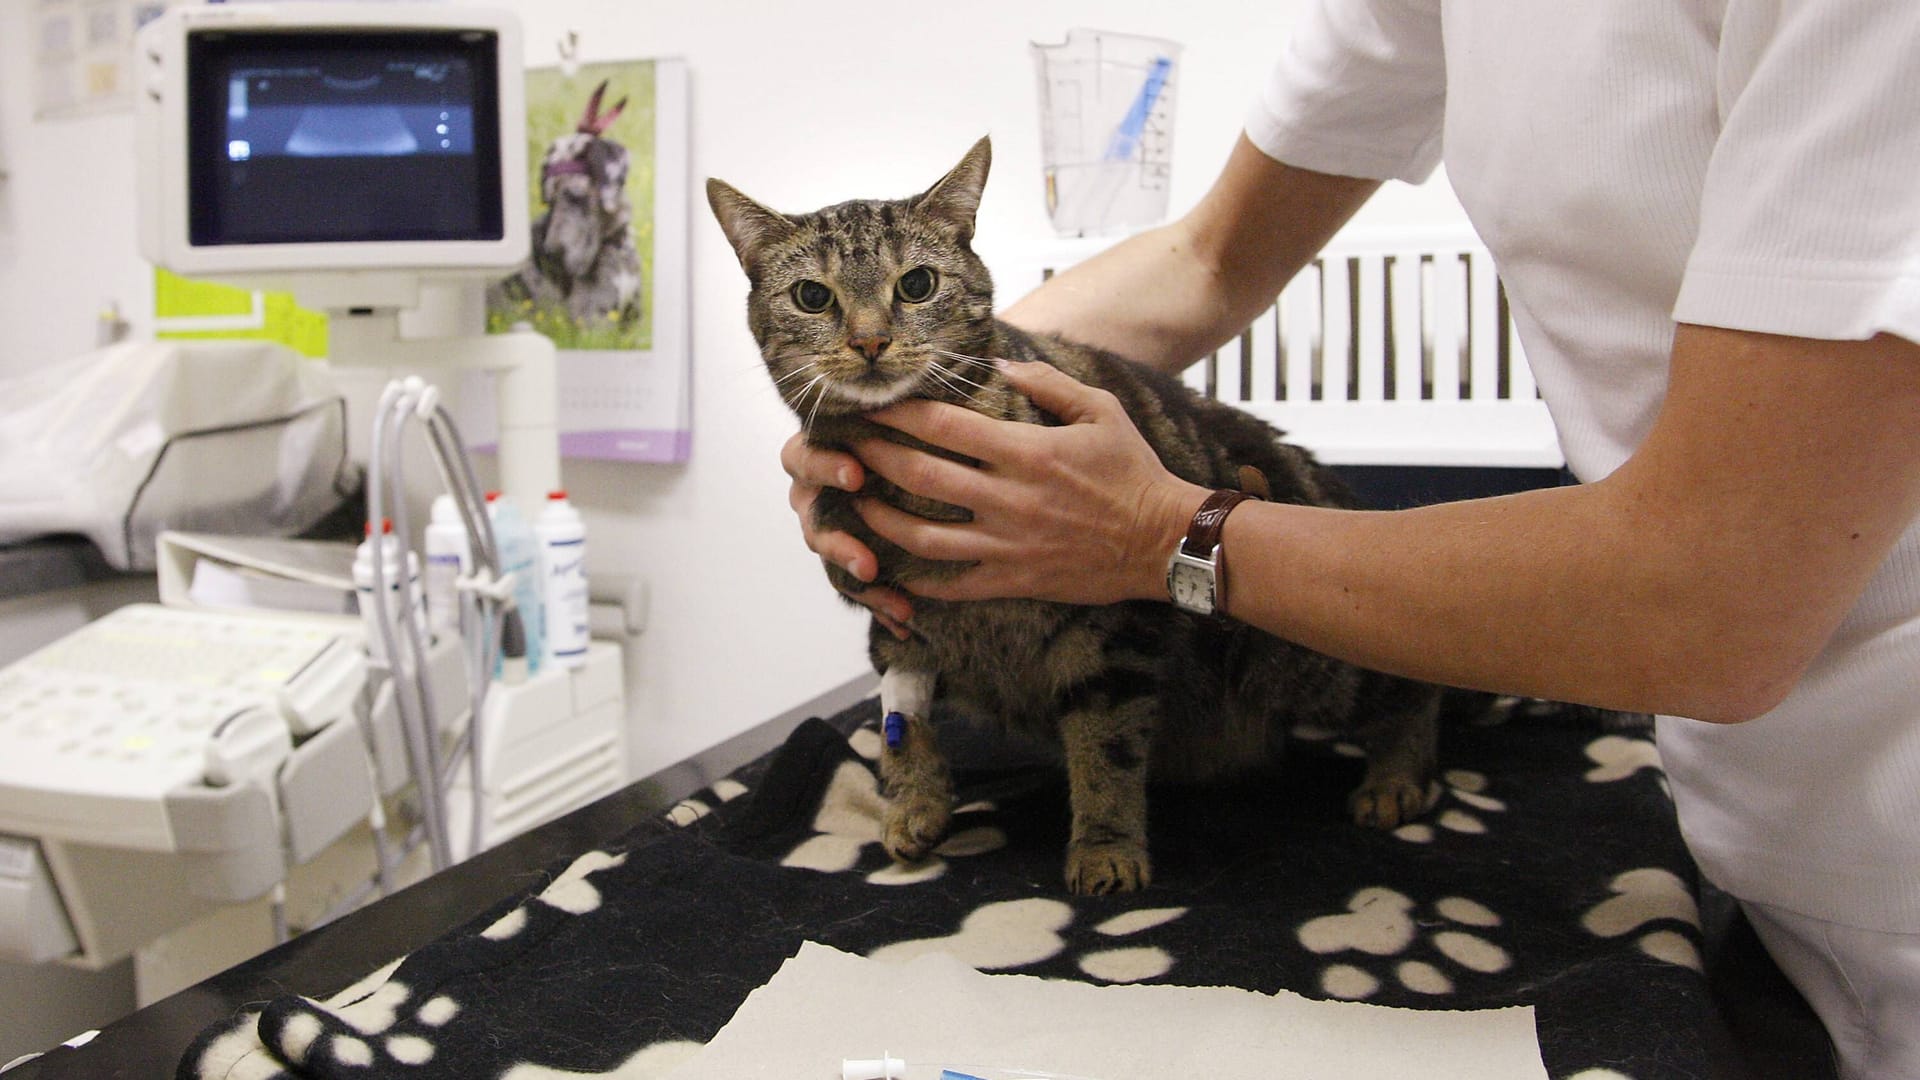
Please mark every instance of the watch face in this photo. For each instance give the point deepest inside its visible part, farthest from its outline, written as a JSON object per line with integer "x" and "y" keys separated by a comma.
{"x": 1191, "y": 587}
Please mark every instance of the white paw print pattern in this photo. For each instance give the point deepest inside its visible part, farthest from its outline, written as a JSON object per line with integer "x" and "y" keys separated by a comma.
{"x": 1459, "y": 804}
{"x": 850, "y": 818}
{"x": 571, "y": 892}
{"x": 387, "y": 1023}
{"x": 1649, "y": 895}
{"x": 1016, "y": 933}
{"x": 1461, "y": 790}
{"x": 1379, "y": 922}
{"x": 1616, "y": 758}
{"x": 373, "y": 1016}
{"x": 689, "y": 810}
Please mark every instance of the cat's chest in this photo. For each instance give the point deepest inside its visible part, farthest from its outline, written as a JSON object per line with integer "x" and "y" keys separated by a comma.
{"x": 1008, "y": 658}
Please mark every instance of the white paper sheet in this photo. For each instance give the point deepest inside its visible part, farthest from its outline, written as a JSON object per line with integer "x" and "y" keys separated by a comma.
{"x": 825, "y": 1005}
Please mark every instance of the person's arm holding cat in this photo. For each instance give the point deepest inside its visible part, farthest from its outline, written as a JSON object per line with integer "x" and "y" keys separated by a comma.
{"x": 1160, "y": 298}
{"x": 1699, "y": 579}
{"x": 1179, "y": 292}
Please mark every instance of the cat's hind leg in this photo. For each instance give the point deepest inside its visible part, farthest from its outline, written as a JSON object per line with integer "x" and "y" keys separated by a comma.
{"x": 913, "y": 771}
{"x": 1402, "y": 737}
{"x": 1108, "y": 736}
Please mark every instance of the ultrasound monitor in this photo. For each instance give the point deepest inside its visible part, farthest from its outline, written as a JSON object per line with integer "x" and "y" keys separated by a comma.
{"x": 293, "y": 138}
{"x": 338, "y": 138}
{"x": 354, "y": 154}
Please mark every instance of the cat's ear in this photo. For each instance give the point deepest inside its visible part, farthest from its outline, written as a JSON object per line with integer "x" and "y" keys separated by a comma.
{"x": 749, "y": 226}
{"x": 956, "y": 198}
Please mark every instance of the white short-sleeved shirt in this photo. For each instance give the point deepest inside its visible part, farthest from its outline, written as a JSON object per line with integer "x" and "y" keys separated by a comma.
{"x": 1751, "y": 164}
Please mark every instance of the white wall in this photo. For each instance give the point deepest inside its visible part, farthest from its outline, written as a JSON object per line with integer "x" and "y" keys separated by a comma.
{"x": 799, "y": 105}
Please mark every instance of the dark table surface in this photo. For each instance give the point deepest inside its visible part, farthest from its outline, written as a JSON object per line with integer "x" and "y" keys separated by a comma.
{"x": 1768, "y": 1034}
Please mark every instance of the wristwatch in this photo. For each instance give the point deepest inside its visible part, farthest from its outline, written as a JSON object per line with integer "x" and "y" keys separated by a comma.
{"x": 1196, "y": 580}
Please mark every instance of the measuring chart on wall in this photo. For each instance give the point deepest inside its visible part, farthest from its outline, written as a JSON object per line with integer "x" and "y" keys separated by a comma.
{"x": 1106, "y": 129}
{"x": 607, "y": 165}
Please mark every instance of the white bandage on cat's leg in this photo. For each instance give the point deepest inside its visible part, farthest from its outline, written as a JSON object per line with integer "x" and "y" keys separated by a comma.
{"x": 902, "y": 694}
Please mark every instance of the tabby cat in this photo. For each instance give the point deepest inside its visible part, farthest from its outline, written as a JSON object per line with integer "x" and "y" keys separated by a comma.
{"x": 862, "y": 304}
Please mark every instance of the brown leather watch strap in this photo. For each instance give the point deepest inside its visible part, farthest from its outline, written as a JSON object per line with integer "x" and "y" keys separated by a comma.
{"x": 1203, "y": 533}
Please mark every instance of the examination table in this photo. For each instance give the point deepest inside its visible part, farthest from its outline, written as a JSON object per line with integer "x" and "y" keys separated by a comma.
{"x": 1550, "y": 873}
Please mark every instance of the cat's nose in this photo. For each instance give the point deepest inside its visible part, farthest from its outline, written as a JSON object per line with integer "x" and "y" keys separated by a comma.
{"x": 872, "y": 345}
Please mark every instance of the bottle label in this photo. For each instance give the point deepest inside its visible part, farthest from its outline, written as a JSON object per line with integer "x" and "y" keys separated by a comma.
{"x": 566, "y": 594}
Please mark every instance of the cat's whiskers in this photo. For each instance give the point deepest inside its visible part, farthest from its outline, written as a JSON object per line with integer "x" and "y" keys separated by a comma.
{"x": 819, "y": 399}
{"x": 963, "y": 358}
{"x": 953, "y": 376}
{"x": 952, "y": 382}
{"x": 760, "y": 372}
{"x": 799, "y": 397}
{"x": 796, "y": 372}
{"x": 782, "y": 385}
{"x": 977, "y": 361}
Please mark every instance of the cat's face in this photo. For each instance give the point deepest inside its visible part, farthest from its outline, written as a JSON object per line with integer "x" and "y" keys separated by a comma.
{"x": 863, "y": 304}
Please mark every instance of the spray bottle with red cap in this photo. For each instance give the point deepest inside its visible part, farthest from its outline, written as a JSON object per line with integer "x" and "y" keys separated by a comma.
{"x": 401, "y": 577}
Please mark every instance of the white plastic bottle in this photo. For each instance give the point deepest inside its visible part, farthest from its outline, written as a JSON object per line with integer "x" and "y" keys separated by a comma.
{"x": 402, "y": 578}
{"x": 448, "y": 557}
{"x": 563, "y": 579}
{"x": 520, "y": 556}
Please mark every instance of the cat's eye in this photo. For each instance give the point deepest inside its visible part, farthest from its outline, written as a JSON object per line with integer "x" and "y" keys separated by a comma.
{"x": 812, "y": 297}
{"x": 916, "y": 285}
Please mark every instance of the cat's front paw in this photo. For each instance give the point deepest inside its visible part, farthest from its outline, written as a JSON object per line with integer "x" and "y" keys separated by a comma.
{"x": 1111, "y": 867}
{"x": 1389, "y": 802}
{"x": 914, "y": 824}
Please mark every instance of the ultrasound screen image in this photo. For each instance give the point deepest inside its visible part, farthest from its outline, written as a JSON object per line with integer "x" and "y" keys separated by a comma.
{"x": 343, "y": 137}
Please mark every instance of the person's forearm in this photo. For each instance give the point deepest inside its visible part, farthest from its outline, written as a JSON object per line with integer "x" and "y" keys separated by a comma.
{"x": 1171, "y": 295}
{"x": 1699, "y": 579}
{"x": 1150, "y": 299}
{"x": 1559, "y": 593}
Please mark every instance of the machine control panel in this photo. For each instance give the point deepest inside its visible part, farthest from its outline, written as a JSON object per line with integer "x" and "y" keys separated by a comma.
{"x": 101, "y": 724}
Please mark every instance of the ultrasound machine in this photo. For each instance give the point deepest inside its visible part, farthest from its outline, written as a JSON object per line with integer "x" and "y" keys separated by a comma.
{"x": 170, "y": 758}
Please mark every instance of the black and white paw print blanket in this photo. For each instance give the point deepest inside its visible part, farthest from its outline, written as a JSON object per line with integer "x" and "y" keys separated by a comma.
{"x": 1550, "y": 873}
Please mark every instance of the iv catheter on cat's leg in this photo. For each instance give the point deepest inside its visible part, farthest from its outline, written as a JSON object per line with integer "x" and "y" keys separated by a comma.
{"x": 913, "y": 772}
{"x": 903, "y": 693}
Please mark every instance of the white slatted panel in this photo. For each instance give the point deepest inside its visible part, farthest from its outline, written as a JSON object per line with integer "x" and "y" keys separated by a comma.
{"x": 1195, "y": 376}
{"x": 1406, "y": 311}
{"x": 1336, "y": 330}
{"x": 1370, "y": 325}
{"x": 1443, "y": 308}
{"x": 1299, "y": 309}
{"x": 1447, "y": 318}
{"x": 1519, "y": 375}
{"x": 1485, "y": 332}
{"x": 1263, "y": 346}
{"x": 1226, "y": 373}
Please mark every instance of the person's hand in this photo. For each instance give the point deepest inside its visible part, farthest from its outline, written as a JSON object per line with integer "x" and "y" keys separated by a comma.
{"x": 1083, "y": 513}
{"x": 813, "y": 468}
